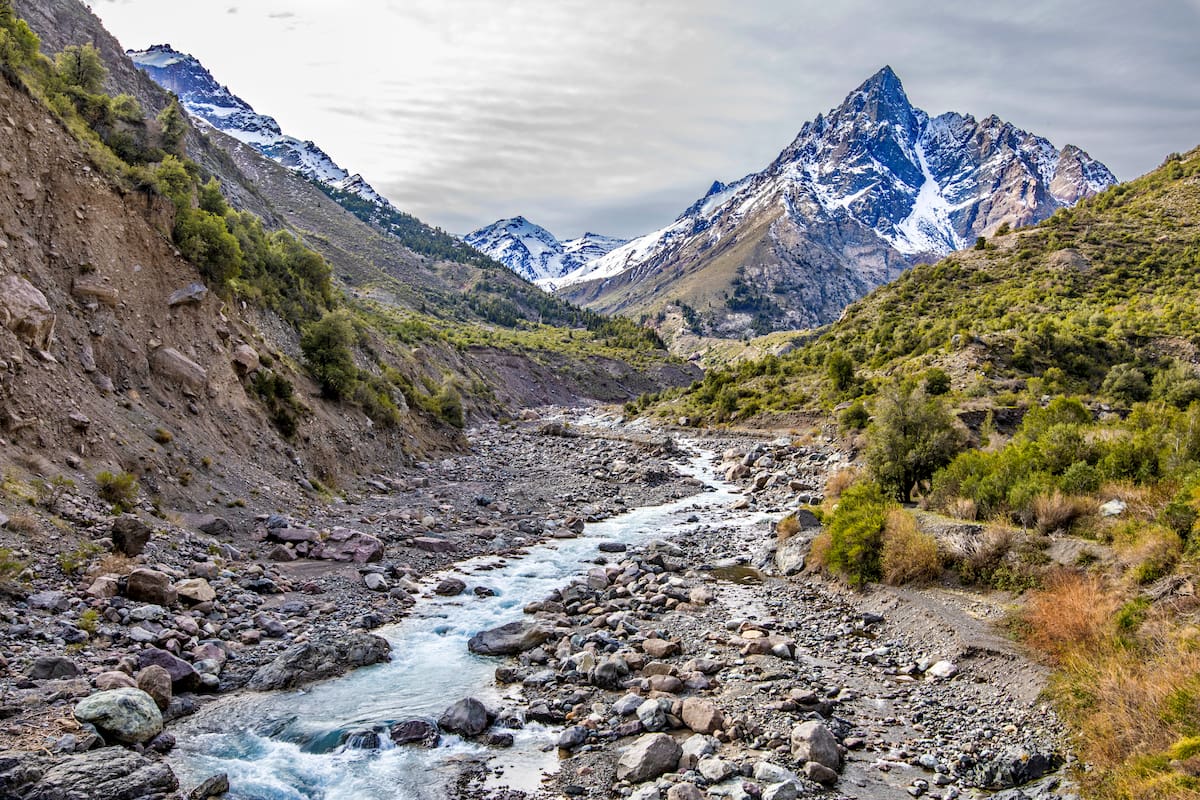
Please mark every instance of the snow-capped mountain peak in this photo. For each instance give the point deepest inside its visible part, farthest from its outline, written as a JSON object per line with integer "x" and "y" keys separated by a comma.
{"x": 534, "y": 253}
{"x": 207, "y": 100}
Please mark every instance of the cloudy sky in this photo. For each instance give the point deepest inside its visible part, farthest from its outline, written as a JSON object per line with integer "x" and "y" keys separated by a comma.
{"x": 614, "y": 115}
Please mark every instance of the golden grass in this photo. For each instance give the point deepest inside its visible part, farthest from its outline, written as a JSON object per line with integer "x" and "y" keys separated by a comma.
{"x": 909, "y": 555}
{"x": 1072, "y": 613}
{"x": 818, "y": 551}
{"x": 1057, "y": 511}
{"x": 840, "y": 481}
{"x": 787, "y": 527}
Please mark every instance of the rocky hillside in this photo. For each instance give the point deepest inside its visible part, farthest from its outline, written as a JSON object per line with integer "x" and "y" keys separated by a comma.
{"x": 864, "y": 192}
{"x": 535, "y": 253}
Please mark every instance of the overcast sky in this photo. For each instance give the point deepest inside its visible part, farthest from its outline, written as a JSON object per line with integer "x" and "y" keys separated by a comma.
{"x": 614, "y": 115}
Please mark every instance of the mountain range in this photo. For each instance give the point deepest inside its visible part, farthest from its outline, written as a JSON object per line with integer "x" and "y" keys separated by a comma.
{"x": 535, "y": 253}
{"x": 862, "y": 193}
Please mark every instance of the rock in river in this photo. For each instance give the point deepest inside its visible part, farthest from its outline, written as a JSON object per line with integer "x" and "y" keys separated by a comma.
{"x": 510, "y": 639}
{"x": 123, "y": 715}
{"x": 314, "y": 661}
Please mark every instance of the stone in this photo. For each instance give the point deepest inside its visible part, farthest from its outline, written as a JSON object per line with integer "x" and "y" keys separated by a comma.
{"x": 53, "y": 668}
{"x": 510, "y": 639}
{"x": 786, "y": 790}
{"x": 93, "y": 290}
{"x": 291, "y": 534}
{"x": 815, "y": 771}
{"x": 192, "y": 294}
{"x": 214, "y": 526}
{"x": 155, "y": 681}
{"x": 114, "y": 679}
{"x": 214, "y": 786}
{"x": 104, "y": 588}
{"x": 572, "y": 737}
{"x": 1113, "y": 508}
{"x": 112, "y": 773}
{"x": 184, "y": 677}
{"x": 129, "y": 535}
{"x": 415, "y": 731}
{"x": 123, "y": 715}
{"x": 653, "y": 713}
{"x": 702, "y": 716}
{"x": 628, "y": 704}
{"x": 48, "y": 601}
{"x": 175, "y": 366}
{"x": 449, "y": 587}
{"x": 609, "y": 673}
{"x": 694, "y": 748}
{"x": 25, "y": 311}
{"x": 468, "y": 717}
{"x": 343, "y": 544}
{"x": 715, "y": 769}
{"x": 195, "y": 590}
{"x": 650, "y": 756}
{"x": 660, "y": 648}
{"x": 306, "y": 662}
{"x": 150, "y": 586}
{"x": 245, "y": 359}
{"x": 685, "y": 791}
{"x": 812, "y": 741}
{"x": 375, "y": 582}
{"x": 942, "y": 669}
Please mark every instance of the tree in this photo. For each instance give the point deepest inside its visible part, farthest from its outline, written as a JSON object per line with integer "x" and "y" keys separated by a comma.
{"x": 172, "y": 125}
{"x": 1125, "y": 383}
{"x": 913, "y": 436}
{"x": 204, "y": 240}
{"x": 18, "y": 44}
{"x": 840, "y": 369}
{"x": 326, "y": 345}
{"x": 80, "y": 66}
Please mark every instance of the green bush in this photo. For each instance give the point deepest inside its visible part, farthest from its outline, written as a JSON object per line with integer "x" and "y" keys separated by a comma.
{"x": 856, "y": 533}
{"x": 326, "y": 345}
{"x": 121, "y": 488}
{"x": 448, "y": 405}
{"x": 1125, "y": 383}
{"x": 854, "y": 417}
{"x": 913, "y": 435}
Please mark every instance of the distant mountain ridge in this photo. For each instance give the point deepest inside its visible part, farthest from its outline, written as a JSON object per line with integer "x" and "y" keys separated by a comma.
{"x": 535, "y": 253}
{"x": 861, "y": 194}
{"x": 207, "y": 100}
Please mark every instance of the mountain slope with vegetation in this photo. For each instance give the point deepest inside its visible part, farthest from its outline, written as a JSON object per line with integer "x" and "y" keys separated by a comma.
{"x": 1038, "y": 397}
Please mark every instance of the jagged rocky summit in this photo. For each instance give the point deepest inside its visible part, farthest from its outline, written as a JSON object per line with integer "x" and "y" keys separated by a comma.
{"x": 862, "y": 193}
{"x": 535, "y": 253}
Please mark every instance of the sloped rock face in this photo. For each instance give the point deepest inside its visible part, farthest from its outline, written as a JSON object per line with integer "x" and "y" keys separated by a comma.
{"x": 314, "y": 661}
{"x": 111, "y": 772}
{"x": 861, "y": 194}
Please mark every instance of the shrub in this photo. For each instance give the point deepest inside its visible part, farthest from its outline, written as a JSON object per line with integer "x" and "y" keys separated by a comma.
{"x": 937, "y": 382}
{"x": 839, "y": 481}
{"x": 854, "y": 417}
{"x": 1080, "y": 478}
{"x": 10, "y": 565}
{"x": 448, "y": 405}
{"x": 1177, "y": 385}
{"x": 326, "y": 345}
{"x": 50, "y": 493}
{"x": 985, "y": 555}
{"x": 1056, "y": 511}
{"x": 856, "y": 533}
{"x": 89, "y": 620}
{"x": 839, "y": 368}
{"x": 120, "y": 489}
{"x": 205, "y": 240}
{"x": 163, "y": 436}
{"x": 1125, "y": 383}
{"x": 73, "y": 562}
{"x": 909, "y": 554}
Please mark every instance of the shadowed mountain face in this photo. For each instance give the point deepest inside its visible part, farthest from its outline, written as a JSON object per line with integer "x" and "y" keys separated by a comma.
{"x": 862, "y": 193}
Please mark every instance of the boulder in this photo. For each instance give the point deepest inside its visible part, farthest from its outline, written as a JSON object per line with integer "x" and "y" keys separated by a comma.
{"x": 214, "y": 786}
{"x": 650, "y": 756}
{"x": 122, "y": 715}
{"x": 415, "y": 731}
{"x": 812, "y": 741}
{"x": 192, "y": 294}
{"x": 432, "y": 544}
{"x": 449, "y": 587}
{"x": 245, "y": 359}
{"x": 343, "y": 544}
{"x": 510, "y": 639}
{"x": 184, "y": 677}
{"x": 129, "y": 535}
{"x": 94, "y": 290}
{"x": 52, "y": 668}
{"x": 155, "y": 681}
{"x": 572, "y": 737}
{"x": 112, "y": 773}
{"x": 214, "y": 526}
{"x": 468, "y": 717}
{"x": 660, "y": 648}
{"x": 195, "y": 590}
{"x": 175, "y": 366}
{"x": 114, "y": 679}
{"x": 150, "y": 586}
{"x": 291, "y": 534}
{"x": 702, "y": 716}
{"x": 313, "y": 661}
{"x": 25, "y": 311}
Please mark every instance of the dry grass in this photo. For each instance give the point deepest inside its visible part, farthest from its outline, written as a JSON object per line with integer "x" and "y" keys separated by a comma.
{"x": 840, "y": 481}
{"x": 1149, "y": 552}
{"x": 23, "y": 523}
{"x": 909, "y": 555}
{"x": 1141, "y": 501}
{"x": 1058, "y": 511}
{"x": 113, "y": 564}
{"x": 1071, "y": 614}
{"x": 787, "y": 527}
{"x": 963, "y": 508}
{"x": 818, "y": 551}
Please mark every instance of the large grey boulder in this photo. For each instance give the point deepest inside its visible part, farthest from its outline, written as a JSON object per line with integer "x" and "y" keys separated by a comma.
{"x": 510, "y": 639}
{"x": 343, "y": 544}
{"x": 130, "y": 535}
{"x": 467, "y": 717}
{"x": 313, "y": 661}
{"x": 650, "y": 756}
{"x": 25, "y": 311}
{"x": 111, "y": 773}
{"x": 150, "y": 586}
{"x": 184, "y": 677}
{"x": 122, "y": 715}
{"x": 812, "y": 741}
{"x": 175, "y": 366}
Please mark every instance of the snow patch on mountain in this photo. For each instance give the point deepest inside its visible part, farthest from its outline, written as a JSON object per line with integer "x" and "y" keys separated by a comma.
{"x": 207, "y": 100}
{"x": 535, "y": 253}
